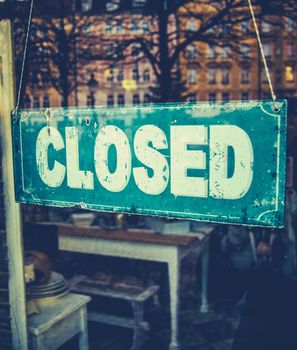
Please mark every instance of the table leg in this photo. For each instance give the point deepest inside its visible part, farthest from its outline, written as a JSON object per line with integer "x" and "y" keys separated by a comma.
{"x": 204, "y": 280}
{"x": 139, "y": 335}
{"x": 83, "y": 335}
{"x": 174, "y": 279}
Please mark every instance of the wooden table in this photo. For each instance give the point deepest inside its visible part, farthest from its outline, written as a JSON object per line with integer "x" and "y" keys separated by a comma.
{"x": 58, "y": 322}
{"x": 143, "y": 245}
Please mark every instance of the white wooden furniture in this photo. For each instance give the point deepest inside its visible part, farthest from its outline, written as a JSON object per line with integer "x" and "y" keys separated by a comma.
{"x": 85, "y": 285}
{"x": 59, "y": 321}
{"x": 142, "y": 245}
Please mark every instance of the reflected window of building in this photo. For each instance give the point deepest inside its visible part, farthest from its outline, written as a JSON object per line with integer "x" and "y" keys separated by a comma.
{"x": 212, "y": 51}
{"x": 135, "y": 51}
{"x": 212, "y": 75}
{"x": 146, "y": 75}
{"x": 90, "y": 100}
{"x": 192, "y": 52}
{"x": 245, "y": 75}
{"x": 27, "y": 101}
{"x": 264, "y": 78}
{"x": 134, "y": 25}
{"x": 36, "y": 102}
{"x": 226, "y": 27}
{"x": 225, "y": 76}
{"x": 225, "y": 51}
{"x": 266, "y": 27}
{"x": 267, "y": 49}
{"x": 112, "y": 5}
{"x": 289, "y": 73}
{"x": 146, "y": 99}
{"x": 135, "y": 74}
{"x": 46, "y": 79}
{"x": 290, "y": 49}
{"x": 110, "y": 100}
{"x": 212, "y": 97}
{"x": 145, "y": 26}
{"x": 46, "y": 101}
{"x": 192, "y": 25}
{"x": 192, "y": 98}
{"x": 138, "y": 3}
{"x": 136, "y": 99}
{"x": 192, "y": 76}
{"x": 120, "y": 76}
{"x": 225, "y": 96}
{"x": 245, "y": 96}
{"x": 245, "y": 50}
{"x": 290, "y": 25}
{"x": 86, "y": 5}
{"x": 109, "y": 74}
{"x": 108, "y": 27}
{"x": 119, "y": 27}
{"x": 245, "y": 26}
{"x": 121, "y": 100}
{"x": 34, "y": 78}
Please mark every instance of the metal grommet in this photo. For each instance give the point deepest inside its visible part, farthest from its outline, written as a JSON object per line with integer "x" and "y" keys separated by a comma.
{"x": 88, "y": 121}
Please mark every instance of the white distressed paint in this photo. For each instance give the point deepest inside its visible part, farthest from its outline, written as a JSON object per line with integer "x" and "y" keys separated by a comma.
{"x": 150, "y": 157}
{"x": 222, "y": 136}
{"x": 183, "y": 159}
{"x": 76, "y": 178}
{"x": 118, "y": 180}
{"x": 46, "y": 137}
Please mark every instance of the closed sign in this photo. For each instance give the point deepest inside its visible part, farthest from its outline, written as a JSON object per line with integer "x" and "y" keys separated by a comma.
{"x": 218, "y": 162}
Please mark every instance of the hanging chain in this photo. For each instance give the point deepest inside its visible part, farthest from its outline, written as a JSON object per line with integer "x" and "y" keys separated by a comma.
{"x": 262, "y": 52}
{"x": 18, "y": 100}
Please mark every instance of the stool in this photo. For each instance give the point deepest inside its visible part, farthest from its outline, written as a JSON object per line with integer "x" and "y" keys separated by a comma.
{"x": 82, "y": 284}
{"x": 59, "y": 321}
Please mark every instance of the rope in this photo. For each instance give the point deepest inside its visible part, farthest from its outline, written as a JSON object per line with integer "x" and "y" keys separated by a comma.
{"x": 15, "y": 111}
{"x": 262, "y": 52}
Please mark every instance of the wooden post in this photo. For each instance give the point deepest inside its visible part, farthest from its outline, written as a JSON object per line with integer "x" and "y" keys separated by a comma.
{"x": 17, "y": 296}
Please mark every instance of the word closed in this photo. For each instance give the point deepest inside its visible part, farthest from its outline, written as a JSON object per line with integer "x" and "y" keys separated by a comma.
{"x": 219, "y": 162}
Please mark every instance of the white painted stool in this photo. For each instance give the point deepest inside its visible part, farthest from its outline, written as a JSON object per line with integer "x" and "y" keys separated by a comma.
{"x": 58, "y": 322}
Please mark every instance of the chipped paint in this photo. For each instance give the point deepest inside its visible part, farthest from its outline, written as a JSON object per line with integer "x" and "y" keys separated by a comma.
{"x": 222, "y": 162}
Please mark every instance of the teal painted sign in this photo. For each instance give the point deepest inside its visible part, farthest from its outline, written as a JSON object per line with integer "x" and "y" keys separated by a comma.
{"x": 221, "y": 162}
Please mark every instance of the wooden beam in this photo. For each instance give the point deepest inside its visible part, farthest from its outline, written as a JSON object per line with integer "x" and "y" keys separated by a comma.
{"x": 17, "y": 296}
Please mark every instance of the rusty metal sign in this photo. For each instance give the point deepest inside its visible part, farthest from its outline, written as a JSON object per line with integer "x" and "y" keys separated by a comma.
{"x": 222, "y": 162}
